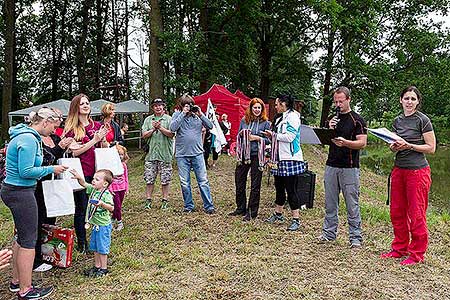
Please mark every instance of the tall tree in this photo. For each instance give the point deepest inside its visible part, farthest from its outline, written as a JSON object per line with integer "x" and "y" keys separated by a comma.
{"x": 9, "y": 62}
{"x": 156, "y": 67}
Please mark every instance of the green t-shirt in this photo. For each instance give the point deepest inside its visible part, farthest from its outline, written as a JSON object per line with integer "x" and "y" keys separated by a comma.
{"x": 101, "y": 217}
{"x": 160, "y": 145}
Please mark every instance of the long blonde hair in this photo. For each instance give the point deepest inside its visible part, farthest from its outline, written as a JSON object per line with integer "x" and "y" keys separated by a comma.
{"x": 73, "y": 121}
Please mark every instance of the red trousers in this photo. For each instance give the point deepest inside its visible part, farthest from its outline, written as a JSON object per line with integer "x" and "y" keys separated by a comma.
{"x": 409, "y": 202}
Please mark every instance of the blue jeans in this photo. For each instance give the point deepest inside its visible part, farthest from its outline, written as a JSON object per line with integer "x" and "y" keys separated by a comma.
{"x": 197, "y": 163}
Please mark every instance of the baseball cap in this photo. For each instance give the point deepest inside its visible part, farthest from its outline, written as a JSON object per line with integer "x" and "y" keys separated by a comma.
{"x": 157, "y": 101}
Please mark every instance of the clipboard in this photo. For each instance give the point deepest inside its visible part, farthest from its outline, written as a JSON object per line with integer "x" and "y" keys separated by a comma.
{"x": 325, "y": 135}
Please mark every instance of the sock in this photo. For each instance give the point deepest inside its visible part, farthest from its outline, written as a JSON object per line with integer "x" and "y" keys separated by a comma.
{"x": 296, "y": 220}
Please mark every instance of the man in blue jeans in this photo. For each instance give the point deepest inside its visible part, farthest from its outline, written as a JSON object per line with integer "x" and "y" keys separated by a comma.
{"x": 188, "y": 124}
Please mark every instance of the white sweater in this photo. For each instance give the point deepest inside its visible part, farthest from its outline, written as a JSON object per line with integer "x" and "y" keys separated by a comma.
{"x": 288, "y": 136}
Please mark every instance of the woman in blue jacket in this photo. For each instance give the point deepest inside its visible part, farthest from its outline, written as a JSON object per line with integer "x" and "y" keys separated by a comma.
{"x": 23, "y": 169}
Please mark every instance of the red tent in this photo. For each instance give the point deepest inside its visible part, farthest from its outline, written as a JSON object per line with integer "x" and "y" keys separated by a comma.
{"x": 226, "y": 103}
{"x": 241, "y": 95}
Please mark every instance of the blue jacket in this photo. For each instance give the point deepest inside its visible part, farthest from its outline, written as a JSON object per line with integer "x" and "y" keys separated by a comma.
{"x": 188, "y": 127}
{"x": 24, "y": 157}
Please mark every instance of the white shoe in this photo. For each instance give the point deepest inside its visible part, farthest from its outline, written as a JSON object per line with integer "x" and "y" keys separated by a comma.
{"x": 43, "y": 268}
{"x": 119, "y": 226}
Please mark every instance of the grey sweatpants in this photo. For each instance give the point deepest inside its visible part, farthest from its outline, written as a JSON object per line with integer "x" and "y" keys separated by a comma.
{"x": 345, "y": 180}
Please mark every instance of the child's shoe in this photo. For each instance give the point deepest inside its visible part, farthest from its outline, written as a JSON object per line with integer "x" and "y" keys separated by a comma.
{"x": 100, "y": 273}
{"x": 148, "y": 204}
{"x": 119, "y": 225}
{"x": 164, "y": 204}
{"x": 91, "y": 271}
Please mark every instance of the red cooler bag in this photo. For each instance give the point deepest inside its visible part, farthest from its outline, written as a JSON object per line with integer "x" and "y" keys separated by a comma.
{"x": 57, "y": 245}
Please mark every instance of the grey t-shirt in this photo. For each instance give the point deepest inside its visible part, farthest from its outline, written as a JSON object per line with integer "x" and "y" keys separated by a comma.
{"x": 411, "y": 129}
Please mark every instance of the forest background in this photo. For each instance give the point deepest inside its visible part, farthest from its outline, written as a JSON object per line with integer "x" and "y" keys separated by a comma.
{"x": 143, "y": 49}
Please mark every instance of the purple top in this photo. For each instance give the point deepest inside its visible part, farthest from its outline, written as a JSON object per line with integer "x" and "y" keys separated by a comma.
{"x": 88, "y": 158}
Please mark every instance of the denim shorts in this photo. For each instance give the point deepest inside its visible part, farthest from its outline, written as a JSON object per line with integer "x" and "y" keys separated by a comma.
{"x": 100, "y": 239}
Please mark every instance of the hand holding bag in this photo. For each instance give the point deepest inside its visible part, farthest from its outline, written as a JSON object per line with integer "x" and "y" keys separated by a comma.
{"x": 109, "y": 159}
{"x": 58, "y": 197}
{"x": 72, "y": 163}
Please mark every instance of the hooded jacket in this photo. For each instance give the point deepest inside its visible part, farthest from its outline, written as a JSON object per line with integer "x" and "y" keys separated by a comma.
{"x": 24, "y": 157}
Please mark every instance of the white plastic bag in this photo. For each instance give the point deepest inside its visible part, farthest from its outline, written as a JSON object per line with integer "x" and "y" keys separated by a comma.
{"x": 109, "y": 159}
{"x": 58, "y": 197}
{"x": 72, "y": 163}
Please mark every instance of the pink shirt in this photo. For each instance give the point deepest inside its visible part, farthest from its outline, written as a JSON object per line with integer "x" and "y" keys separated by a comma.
{"x": 120, "y": 183}
{"x": 88, "y": 158}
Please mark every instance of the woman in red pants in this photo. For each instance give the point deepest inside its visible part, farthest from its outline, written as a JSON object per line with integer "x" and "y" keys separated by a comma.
{"x": 410, "y": 180}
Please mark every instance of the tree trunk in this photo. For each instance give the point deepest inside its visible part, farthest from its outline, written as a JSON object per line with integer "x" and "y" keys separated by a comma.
{"x": 204, "y": 27}
{"x": 8, "y": 87}
{"x": 265, "y": 54}
{"x": 57, "y": 50}
{"x": 326, "y": 97}
{"x": 80, "y": 55}
{"x": 125, "y": 53}
{"x": 156, "y": 68}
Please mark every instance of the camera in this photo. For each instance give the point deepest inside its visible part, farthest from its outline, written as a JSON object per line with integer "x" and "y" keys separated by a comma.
{"x": 193, "y": 108}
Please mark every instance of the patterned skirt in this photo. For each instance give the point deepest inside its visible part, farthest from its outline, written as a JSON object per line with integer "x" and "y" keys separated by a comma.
{"x": 289, "y": 168}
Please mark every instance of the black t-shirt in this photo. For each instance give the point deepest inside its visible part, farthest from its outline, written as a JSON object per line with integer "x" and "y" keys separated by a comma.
{"x": 349, "y": 126}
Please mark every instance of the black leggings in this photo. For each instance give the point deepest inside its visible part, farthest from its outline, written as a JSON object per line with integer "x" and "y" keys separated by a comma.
{"x": 81, "y": 200}
{"x": 287, "y": 184}
{"x": 22, "y": 203}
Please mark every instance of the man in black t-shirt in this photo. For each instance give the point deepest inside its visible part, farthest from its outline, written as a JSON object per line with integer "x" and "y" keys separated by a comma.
{"x": 342, "y": 169}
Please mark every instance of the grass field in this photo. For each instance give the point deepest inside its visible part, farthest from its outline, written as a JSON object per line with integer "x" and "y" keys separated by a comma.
{"x": 170, "y": 255}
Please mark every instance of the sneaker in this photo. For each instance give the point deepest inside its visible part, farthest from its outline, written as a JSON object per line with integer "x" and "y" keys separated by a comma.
{"x": 188, "y": 210}
{"x": 248, "y": 218}
{"x": 236, "y": 213}
{"x": 295, "y": 225}
{"x": 43, "y": 268}
{"x": 323, "y": 239}
{"x": 355, "y": 244}
{"x": 164, "y": 204}
{"x": 100, "y": 273}
{"x": 148, "y": 204}
{"x": 36, "y": 293}
{"x": 275, "y": 218}
{"x": 15, "y": 287}
{"x": 210, "y": 211}
{"x": 410, "y": 261}
{"x": 90, "y": 272}
{"x": 119, "y": 226}
{"x": 391, "y": 254}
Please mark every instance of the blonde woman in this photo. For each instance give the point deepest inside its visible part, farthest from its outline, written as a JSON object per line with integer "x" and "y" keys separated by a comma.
{"x": 114, "y": 134}
{"x": 88, "y": 135}
{"x": 23, "y": 169}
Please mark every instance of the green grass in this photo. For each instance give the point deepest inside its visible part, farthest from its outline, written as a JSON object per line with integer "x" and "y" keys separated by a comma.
{"x": 170, "y": 255}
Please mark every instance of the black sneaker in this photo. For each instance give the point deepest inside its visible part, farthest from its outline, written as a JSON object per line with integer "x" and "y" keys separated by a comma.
{"x": 14, "y": 287}
{"x": 90, "y": 272}
{"x": 100, "y": 273}
{"x": 36, "y": 293}
{"x": 236, "y": 213}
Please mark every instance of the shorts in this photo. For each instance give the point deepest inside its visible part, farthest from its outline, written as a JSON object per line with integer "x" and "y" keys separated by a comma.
{"x": 22, "y": 203}
{"x": 101, "y": 239}
{"x": 152, "y": 168}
